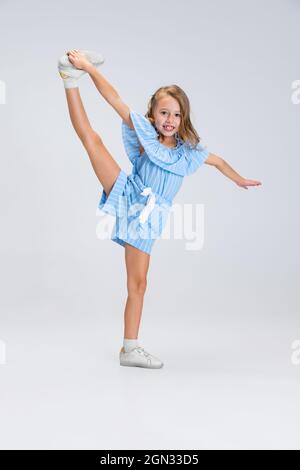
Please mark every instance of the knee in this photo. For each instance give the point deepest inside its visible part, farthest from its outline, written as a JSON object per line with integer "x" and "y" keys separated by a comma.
{"x": 137, "y": 286}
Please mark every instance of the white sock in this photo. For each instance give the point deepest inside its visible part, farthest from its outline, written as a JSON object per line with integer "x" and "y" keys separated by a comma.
{"x": 129, "y": 344}
{"x": 70, "y": 83}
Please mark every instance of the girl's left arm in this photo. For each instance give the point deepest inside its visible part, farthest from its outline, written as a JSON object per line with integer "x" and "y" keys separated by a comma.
{"x": 110, "y": 94}
{"x": 228, "y": 171}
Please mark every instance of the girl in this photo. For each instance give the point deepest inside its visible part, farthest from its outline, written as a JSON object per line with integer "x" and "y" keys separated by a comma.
{"x": 163, "y": 147}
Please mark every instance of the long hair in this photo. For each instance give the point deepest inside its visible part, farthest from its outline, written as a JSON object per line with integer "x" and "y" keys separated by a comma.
{"x": 186, "y": 130}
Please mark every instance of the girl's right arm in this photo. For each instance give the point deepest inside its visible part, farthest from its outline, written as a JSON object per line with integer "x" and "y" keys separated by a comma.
{"x": 110, "y": 94}
{"x": 228, "y": 171}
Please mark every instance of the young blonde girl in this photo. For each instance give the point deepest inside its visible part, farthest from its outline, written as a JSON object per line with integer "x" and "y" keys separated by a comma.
{"x": 160, "y": 154}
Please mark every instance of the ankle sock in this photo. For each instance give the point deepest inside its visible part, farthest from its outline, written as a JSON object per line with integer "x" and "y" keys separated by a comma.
{"x": 129, "y": 344}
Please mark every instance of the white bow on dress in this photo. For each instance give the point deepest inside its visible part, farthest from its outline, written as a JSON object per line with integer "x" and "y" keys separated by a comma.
{"x": 149, "y": 206}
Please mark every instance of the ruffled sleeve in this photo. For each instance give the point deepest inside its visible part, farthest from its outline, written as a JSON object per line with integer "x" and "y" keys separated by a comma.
{"x": 194, "y": 157}
{"x": 131, "y": 142}
{"x": 182, "y": 160}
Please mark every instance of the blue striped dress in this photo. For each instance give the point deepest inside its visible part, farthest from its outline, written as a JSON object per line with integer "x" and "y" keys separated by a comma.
{"x": 141, "y": 201}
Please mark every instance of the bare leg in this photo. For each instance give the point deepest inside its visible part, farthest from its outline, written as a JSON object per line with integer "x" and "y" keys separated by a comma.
{"x": 137, "y": 265}
{"x": 106, "y": 168}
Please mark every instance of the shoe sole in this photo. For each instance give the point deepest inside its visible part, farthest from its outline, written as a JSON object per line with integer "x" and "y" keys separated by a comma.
{"x": 139, "y": 365}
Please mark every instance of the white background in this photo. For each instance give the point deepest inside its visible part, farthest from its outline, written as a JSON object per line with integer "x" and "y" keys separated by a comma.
{"x": 223, "y": 318}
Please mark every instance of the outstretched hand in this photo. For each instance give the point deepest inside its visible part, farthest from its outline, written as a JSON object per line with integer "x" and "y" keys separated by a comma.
{"x": 78, "y": 59}
{"x": 244, "y": 183}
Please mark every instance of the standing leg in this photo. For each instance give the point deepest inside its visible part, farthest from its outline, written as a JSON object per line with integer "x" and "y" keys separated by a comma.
{"x": 137, "y": 265}
{"x": 106, "y": 168}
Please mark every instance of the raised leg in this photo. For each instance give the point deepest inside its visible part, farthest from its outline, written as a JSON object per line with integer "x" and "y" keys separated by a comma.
{"x": 105, "y": 166}
{"x": 137, "y": 265}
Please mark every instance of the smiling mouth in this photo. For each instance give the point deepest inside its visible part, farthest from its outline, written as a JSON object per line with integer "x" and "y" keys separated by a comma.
{"x": 169, "y": 128}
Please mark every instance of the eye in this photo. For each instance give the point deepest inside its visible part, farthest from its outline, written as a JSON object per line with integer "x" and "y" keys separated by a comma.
{"x": 163, "y": 112}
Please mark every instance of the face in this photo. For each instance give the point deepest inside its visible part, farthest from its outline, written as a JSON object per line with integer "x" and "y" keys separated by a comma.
{"x": 167, "y": 113}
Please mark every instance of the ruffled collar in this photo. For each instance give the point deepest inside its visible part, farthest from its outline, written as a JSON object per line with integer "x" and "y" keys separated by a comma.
{"x": 179, "y": 142}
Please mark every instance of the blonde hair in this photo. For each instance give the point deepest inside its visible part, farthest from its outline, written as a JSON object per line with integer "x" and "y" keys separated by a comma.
{"x": 186, "y": 130}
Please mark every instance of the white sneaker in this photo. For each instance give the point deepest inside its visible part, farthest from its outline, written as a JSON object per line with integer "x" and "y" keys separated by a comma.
{"x": 68, "y": 71}
{"x": 138, "y": 357}
{"x": 94, "y": 57}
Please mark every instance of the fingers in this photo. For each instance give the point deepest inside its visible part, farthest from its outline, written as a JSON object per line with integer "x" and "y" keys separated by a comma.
{"x": 72, "y": 51}
{"x": 252, "y": 183}
{"x": 249, "y": 183}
